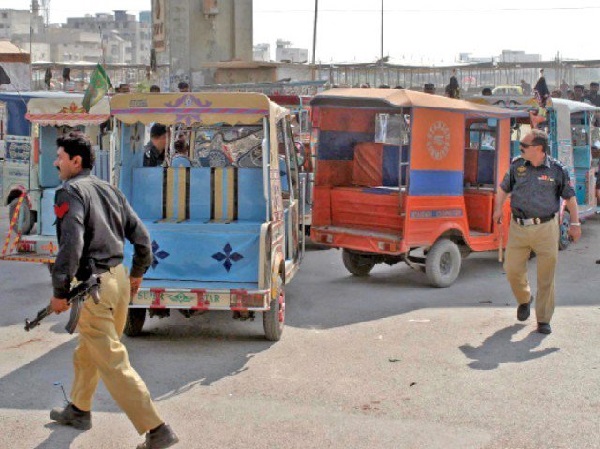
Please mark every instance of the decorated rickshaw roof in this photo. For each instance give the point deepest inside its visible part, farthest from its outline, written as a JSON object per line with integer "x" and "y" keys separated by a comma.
{"x": 204, "y": 108}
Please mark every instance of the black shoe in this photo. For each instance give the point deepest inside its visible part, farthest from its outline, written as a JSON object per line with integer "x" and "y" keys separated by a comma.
{"x": 523, "y": 310}
{"x": 160, "y": 438}
{"x": 70, "y": 416}
{"x": 544, "y": 328}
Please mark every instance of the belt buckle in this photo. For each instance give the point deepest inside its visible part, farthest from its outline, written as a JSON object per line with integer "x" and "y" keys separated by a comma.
{"x": 537, "y": 221}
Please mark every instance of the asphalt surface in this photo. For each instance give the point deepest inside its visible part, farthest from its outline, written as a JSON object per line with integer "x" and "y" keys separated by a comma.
{"x": 379, "y": 362}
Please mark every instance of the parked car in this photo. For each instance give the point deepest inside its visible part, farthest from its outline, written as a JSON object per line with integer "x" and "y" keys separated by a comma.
{"x": 503, "y": 96}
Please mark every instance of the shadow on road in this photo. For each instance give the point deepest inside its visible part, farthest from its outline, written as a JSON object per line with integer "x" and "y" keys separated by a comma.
{"x": 60, "y": 437}
{"x": 324, "y": 295}
{"x": 172, "y": 360}
{"x": 499, "y": 348}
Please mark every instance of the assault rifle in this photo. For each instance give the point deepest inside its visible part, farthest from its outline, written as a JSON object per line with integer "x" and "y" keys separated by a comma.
{"x": 75, "y": 299}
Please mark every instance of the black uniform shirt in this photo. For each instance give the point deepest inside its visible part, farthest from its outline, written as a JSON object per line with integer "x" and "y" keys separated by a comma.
{"x": 536, "y": 191}
{"x": 153, "y": 157}
{"x": 92, "y": 220}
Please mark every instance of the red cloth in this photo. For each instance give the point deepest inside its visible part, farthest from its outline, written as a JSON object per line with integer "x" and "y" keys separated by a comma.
{"x": 367, "y": 169}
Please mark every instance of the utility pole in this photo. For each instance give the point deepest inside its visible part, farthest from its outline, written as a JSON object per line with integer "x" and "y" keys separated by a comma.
{"x": 382, "y": 32}
{"x": 315, "y": 32}
{"x": 381, "y": 57}
{"x": 30, "y": 46}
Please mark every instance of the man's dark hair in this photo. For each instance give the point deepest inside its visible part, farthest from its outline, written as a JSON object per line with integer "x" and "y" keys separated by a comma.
{"x": 180, "y": 147}
{"x": 183, "y": 85}
{"x": 486, "y": 91}
{"x": 594, "y": 84}
{"x": 158, "y": 130}
{"x": 154, "y": 88}
{"x": 76, "y": 143}
{"x": 540, "y": 138}
{"x": 579, "y": 86}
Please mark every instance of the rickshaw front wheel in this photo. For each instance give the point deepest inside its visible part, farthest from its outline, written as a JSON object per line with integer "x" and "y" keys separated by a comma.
{"x": 443, "y": 263}
{"x": 274, "y": 318}
{"x": 357, "y": 264}
{"x": 135, "y": 322}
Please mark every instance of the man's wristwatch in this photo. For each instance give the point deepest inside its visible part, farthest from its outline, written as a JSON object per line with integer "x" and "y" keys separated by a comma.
{"x": 575, "y": 224}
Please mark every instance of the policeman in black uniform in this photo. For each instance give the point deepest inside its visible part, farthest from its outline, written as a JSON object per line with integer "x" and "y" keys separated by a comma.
{"x": 536, "y": 183}
{"x": 92, "y": 220}
{"x": 154, "y": 151}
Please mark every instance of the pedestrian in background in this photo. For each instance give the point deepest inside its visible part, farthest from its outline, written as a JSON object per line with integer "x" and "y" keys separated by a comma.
{"x": 92, "y": 220}
{"x": 579, "y": 93}
{"x": 593, "y": 97}
{"x": 536, "y": 182}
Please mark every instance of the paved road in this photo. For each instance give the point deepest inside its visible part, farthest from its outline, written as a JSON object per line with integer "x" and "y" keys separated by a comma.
{"x": 382, "y": 362}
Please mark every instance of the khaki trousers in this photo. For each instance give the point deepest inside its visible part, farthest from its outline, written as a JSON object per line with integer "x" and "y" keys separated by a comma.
{"x": 101, "y": 355}
{"x": 543, "y": 239}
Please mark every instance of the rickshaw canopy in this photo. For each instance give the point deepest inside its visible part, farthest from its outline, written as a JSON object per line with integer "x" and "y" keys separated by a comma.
{"x": 573, "y": 106}
{"x": 205, "y": 108}
{"x": 402, "y": 98}
{"x": 66, "y": 111}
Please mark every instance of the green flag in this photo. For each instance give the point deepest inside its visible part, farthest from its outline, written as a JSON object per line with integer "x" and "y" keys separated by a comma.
{"x": 98, "y": 87}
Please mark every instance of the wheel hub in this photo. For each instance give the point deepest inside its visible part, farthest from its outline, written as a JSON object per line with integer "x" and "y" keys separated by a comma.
{"x": 445, "y": 263}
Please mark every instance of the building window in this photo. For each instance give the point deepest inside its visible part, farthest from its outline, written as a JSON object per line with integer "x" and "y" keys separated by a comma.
{"x": 5, "y": 15}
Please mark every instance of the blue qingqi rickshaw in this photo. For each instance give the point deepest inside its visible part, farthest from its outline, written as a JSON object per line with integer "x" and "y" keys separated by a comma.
{"x": 225, "y": 231}
{"x": 30, "y": 178}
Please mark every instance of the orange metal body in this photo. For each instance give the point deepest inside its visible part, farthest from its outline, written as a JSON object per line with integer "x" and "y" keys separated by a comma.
{"x": 449, "y": 187}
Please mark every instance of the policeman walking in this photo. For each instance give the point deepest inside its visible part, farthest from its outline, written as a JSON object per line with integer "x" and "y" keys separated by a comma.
{"x": 92, "y": 220}
{"x": 535, "y": 182}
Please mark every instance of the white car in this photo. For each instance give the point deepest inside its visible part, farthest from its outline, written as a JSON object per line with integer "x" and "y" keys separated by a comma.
{"x": 503, "y": 96}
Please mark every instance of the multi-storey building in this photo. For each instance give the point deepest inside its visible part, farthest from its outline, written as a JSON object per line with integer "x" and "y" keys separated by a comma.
{"x": 138, "y": 33}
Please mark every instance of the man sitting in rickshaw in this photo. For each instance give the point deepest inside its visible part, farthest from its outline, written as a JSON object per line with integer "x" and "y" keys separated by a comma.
{"x": 154, "y": 151}
{"x": 181, "y": 156}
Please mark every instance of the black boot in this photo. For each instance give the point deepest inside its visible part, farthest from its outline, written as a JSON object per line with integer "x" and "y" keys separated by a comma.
{"x": 71, "y": 416}
{"x": 159, "y": 438}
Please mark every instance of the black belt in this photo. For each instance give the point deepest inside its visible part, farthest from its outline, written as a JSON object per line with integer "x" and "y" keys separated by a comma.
{"x": 533, "y": 221}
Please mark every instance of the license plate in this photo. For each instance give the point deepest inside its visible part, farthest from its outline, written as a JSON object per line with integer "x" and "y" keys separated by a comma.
{"x": 183, "y": 298}
{"x": 218, "y": 299}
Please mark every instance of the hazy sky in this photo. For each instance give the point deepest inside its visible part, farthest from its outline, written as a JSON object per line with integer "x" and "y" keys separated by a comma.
{"x": 428, "y": 32}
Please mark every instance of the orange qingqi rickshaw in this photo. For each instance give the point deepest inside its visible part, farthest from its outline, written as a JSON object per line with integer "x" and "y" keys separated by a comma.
{"x": 407, "y": 176}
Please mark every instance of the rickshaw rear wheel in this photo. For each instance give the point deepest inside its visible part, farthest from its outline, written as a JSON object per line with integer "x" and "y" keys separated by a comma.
{"x": 135, "y": 322}
{"x": 357, "y": 264}
{"x": 443, "y": 263}
{"x": 274, "y": 318}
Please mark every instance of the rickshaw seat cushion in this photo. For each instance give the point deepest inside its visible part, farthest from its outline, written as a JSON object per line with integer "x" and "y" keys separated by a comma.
{"x": 367, "y": 169}
{"x": 198, "y": 251}
{"x": 375, "y": 164}
{"x": 471, "y": 158}
{"x": 485, "y": 167}
{"x": 334, "y": 173}
{"x": 149, "y": 184}
{"x": 251, "y": 204}
{"x": 479, "y": 206}
{"x": 339, "y": 145}
{"x": 147, "y": 192}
